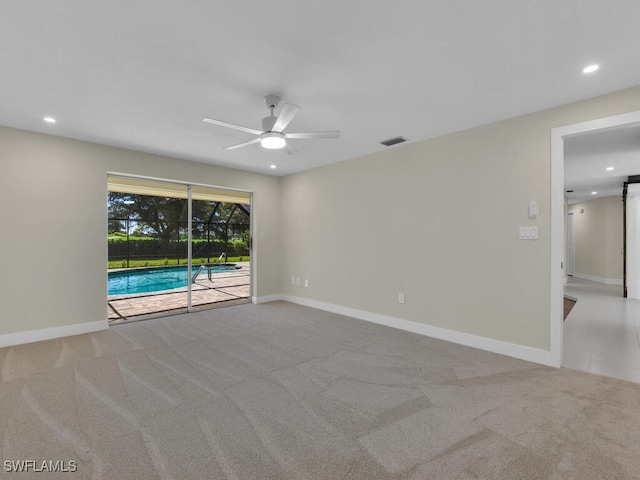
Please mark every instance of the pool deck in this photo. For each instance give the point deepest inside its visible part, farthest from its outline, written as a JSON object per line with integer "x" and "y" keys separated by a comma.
{"x": 228, "y": 288}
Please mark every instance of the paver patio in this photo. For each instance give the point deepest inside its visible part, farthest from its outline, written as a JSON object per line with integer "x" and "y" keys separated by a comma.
{"x": 227, "y": 288}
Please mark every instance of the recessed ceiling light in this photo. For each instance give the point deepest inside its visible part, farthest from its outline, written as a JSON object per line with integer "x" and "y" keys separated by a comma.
{"x": 591, "y": 68}
{"x": 49, "y": 119}
{"x": 594, "y": 193}
{"x": 609, "y": 169}
{"x": 272, "y": 166}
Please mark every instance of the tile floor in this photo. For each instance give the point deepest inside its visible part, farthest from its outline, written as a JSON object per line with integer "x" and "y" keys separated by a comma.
{"x": 602, "y": 332}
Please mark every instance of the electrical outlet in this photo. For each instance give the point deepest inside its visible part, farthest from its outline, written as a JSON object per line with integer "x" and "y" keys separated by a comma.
{"x": 297, "y": 280}
{"x": 401, "y": 297}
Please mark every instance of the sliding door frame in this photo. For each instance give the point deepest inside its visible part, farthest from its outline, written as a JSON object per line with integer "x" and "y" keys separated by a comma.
{"x": 189, "y": 186}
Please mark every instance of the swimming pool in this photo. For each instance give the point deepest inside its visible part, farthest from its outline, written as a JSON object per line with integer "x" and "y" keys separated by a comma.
{"x": 145, "y": 280}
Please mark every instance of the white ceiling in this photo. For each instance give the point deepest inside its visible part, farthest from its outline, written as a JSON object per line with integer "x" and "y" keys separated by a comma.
{"x": 587, "y": 156}
{"x": 143, "y": 74}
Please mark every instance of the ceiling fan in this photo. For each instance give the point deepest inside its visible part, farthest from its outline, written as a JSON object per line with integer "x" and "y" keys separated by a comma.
{"x": 272, "y": 135}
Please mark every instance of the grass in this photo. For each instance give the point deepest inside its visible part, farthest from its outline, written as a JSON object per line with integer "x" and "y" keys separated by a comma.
{"x": 162, "y": 262}
{"x": 131, "y": 237}
{"x": 123, "y": 238}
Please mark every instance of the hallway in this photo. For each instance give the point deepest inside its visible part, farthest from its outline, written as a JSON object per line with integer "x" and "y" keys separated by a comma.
{"x": 602, "y": 332}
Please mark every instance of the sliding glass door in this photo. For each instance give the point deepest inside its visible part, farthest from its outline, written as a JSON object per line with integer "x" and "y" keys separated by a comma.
{"x": 221, "y": 231}
{"x": 175, "y": 247}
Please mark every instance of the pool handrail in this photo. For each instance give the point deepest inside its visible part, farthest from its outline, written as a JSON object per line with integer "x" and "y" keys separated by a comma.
{"x": 195, "y": 275}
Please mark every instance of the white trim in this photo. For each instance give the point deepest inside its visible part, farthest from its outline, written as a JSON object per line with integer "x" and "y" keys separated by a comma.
{"x": 593, "y": 278}
{"x": 267, "y": 298}
{"x": 190, "y": 246}
{"x": 253, "y": 255}
{"x": 557, "y": 248}
{"x": 490, "y": 345}
{"x": 19, "y": 338}
{"x": 557, "y": 218}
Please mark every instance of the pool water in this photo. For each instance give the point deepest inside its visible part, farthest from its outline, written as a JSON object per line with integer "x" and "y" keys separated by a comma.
{"x": 128, "y": 282}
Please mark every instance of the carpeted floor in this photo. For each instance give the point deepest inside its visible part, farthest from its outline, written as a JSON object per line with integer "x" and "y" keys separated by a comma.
{"x": 280, "y": 391}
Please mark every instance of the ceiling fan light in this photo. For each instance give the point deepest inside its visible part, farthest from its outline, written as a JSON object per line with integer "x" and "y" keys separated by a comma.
{"x": 273, "y": 141}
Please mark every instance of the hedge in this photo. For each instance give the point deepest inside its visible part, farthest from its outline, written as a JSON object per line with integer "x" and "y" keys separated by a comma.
{"x": 158, "y": 248}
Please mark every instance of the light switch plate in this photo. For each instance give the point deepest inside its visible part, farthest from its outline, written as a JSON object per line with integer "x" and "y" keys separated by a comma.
{"x": 528, "y": 233}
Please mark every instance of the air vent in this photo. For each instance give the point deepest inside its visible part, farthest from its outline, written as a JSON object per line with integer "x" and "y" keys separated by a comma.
{"x": 393, "y": 141}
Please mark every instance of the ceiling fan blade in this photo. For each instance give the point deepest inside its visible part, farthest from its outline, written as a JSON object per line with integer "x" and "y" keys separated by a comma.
{"x": 290, "y": 149}
{"x": 243, "y": 144}
{"x": 286, "y": 115}
{"x": 329, "y": 134}
{"x": 232, "y": 125}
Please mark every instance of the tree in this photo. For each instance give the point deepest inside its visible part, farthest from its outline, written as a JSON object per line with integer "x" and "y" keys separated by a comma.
{"x": 116, "y": 226}
{"x": 164, "y": 217}
{"x": 218, "y": 219}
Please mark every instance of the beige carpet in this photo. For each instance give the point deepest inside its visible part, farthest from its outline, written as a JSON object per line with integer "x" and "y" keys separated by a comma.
{"x": 279, "y": 391}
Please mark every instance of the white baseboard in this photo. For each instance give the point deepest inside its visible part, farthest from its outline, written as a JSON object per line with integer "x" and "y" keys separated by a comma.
{"x": 19, "y": 338}
{"x": 266, "y": 299}
{"x": 593, "y": 278}
{"x": 522, "y": 352}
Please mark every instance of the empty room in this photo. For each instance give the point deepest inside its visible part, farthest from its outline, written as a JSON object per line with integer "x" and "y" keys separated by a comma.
{"x": 312, "y": 240}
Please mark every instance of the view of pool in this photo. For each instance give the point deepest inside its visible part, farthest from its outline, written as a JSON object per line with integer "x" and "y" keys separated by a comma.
{"x": 144, "y": 280}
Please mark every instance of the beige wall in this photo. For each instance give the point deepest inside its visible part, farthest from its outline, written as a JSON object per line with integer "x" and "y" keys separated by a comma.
{"x": 53, "y": 197}
{"x": 598, "y": 238}
{"x": 437, "y": 220}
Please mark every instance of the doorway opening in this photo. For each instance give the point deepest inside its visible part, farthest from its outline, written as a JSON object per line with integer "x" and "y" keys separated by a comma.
{"x": 175, "y": 247}
{"x": 559, "y": 219}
